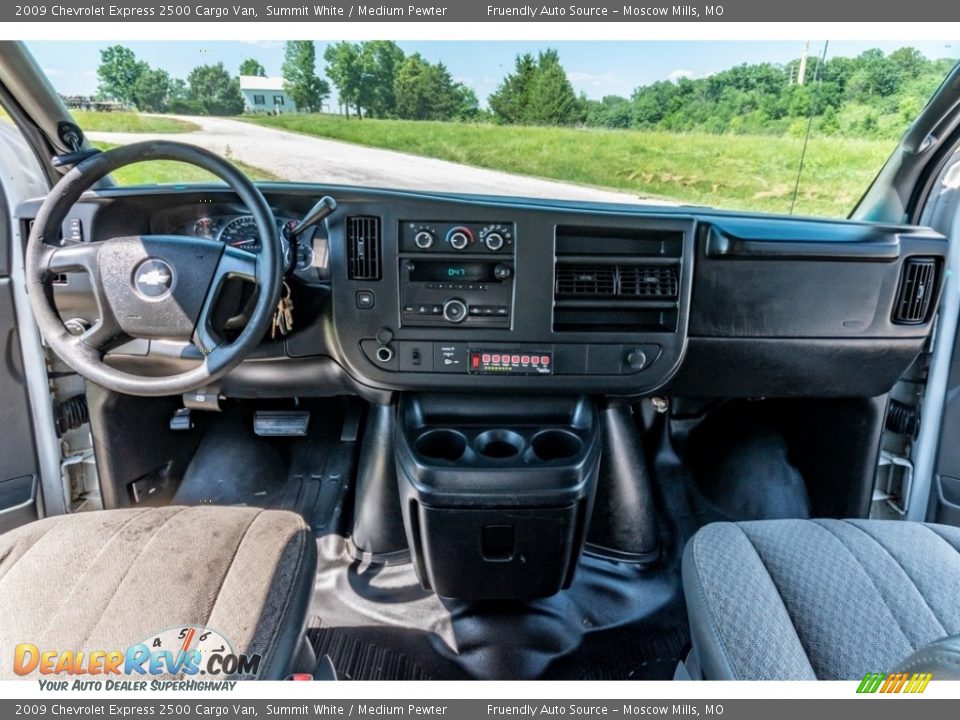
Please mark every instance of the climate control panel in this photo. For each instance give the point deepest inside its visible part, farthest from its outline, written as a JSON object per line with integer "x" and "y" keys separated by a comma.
{"x": 452, "y": 237}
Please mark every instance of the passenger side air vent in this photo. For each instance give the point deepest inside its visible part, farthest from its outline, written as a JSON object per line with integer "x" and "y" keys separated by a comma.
{"x": 918, "y": 282}
{"x": 363, "y": 248}
{"x": 616, "y": 280}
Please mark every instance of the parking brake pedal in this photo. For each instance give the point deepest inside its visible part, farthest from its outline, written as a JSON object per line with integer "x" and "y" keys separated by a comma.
{"x": 281, "y": 423}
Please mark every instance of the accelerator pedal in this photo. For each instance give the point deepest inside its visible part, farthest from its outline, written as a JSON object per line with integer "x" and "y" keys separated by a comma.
{"x": 281, "y": 423}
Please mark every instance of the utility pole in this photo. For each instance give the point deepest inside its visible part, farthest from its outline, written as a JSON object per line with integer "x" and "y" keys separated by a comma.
{"x": 802, "y": 72}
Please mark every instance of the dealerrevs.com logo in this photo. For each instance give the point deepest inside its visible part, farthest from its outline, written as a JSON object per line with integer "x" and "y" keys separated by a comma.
{"x": 184, "y": 652}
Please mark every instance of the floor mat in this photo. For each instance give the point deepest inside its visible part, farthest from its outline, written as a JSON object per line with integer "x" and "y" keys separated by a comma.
{"x": 357, "y": 658}
{"x": 310, "y": 475}
{"x": 616, "y": 621}
{"x": 741, "y": 467}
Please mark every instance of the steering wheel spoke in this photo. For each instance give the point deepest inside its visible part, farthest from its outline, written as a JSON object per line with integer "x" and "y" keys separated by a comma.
{"x": 83, "y": 257}
{"x": 234, "y": 264}
{"x": 76, "y": 257}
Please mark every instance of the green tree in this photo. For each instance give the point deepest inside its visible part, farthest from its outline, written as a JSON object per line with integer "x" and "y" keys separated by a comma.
{"x": 538, "y": 92}
{"x": 118, "y": 73}
{"x": 214, "y": 91}
{"x": 300, "y": 76}
{"x": 345, "y": 70}
{"x": 468, "y": 105}
{"x": 909, "y": 60}
{"x": 151, "y": 91}
{"x": 413, "y": 89}
{"x": 381, "y": 61}
{"x": 427, "y": 91}
{"x": 612, "y": 112}
{"x": 180, "y": 100}
{"x": 511, "y": 100}
{"x": 250, "y": 66}
{"x": 552, "y": 100}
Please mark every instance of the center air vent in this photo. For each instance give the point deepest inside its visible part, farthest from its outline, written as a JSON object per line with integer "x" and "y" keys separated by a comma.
{"x": 363, "y": 248}
{"x": 917, "y": 290}
{"x": 586, "y": 280}
{"x": 616, "y": 280}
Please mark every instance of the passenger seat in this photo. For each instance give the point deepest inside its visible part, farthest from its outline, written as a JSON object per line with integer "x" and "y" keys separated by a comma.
{"x": 823, "y": 599}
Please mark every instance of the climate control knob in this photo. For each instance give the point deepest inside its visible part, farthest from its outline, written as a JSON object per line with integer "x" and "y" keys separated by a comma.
{"x": 493, "y": 241}
{"x": 455, "y": 310}
{"x": 423, "y": 239}
{"x": 459, "y": 238}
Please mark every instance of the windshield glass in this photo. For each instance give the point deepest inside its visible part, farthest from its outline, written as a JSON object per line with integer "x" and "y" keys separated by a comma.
{"x": 766, "y": 126}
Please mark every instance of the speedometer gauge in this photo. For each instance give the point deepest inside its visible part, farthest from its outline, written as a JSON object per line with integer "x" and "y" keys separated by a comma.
{"x": 242, "y": 233}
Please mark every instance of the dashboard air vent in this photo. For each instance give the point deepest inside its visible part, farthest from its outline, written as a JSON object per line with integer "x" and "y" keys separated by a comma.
{"x": 645, "y": 281}
{"x": 586, "y": 280}
{"x": 917, "y": 290}
{"x": 616, "y": 280}
{"x": 363, "y": 248}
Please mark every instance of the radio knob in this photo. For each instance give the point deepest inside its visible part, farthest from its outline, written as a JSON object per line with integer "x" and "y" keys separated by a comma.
{"x": 493, "y": 241}
{"x": 455, "y": 310}
{"x": 423, "y": 239}
{"x": 459, "y": 238}
{"x": 502, "y": 271}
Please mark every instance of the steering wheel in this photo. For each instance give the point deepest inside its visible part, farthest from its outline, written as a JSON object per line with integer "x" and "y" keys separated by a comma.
{"x": 152, "y": 286}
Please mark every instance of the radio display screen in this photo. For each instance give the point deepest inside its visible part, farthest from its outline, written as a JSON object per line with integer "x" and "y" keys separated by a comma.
{"x": 444, "y": 271}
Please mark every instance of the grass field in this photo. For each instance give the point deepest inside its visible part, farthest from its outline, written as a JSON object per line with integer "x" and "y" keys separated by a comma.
{"x": 168, "y": 172}
{"x": 728, "y": 171}
{"x": 130, "y": 122}
{"x": 124, "y": 122}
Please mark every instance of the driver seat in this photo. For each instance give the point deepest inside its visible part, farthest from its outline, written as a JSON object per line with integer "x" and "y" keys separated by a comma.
{"x": 111, "y": 579}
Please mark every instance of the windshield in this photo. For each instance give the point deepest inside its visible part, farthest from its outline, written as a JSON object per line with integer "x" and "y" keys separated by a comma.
{"x": 781, "y": 127}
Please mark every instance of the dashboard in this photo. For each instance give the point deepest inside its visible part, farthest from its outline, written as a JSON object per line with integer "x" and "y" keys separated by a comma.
{"x": 403, "y": 291}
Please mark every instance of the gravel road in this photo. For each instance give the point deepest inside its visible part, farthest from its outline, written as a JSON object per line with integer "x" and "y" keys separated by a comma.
{"x": 302, "y": 158}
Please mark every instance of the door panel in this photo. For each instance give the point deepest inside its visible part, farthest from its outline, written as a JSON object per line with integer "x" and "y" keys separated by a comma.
{"x": 18, "y": 463}
{"x": 946, "y": 481}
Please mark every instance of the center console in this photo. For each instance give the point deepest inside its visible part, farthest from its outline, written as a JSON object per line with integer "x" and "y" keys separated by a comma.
{"x": 496, "y": 497}
{"x": 453, "y": 297}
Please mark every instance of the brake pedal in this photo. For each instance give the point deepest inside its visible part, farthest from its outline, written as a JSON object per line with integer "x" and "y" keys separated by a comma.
{"x": 281, "y": 423}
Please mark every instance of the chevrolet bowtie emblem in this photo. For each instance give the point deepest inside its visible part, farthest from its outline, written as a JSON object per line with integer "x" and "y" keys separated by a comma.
{"x": 153, "y": 278}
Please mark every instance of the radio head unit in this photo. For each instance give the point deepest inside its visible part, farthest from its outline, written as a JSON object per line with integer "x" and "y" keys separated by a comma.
{"x": 451, "y": 285}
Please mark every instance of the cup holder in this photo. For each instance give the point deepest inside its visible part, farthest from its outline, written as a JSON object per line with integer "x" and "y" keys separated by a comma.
{"x": 556, "y": 445}
{"x": 441, "y": 444}
{"x": 499, "y": 444}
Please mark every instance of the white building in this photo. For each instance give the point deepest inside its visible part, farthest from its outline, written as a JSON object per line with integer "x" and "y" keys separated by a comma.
{"x": 265, "y": 95}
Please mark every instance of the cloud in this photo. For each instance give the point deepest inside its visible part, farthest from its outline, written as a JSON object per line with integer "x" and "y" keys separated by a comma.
{"x": 52, "y": 72}
{"x": 592, "y": 80}
{"x": 678, "y": 74}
